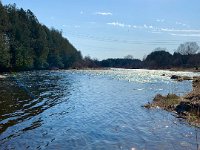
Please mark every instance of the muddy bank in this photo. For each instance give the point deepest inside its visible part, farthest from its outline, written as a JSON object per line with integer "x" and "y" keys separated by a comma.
{"x": 187, "y": 106}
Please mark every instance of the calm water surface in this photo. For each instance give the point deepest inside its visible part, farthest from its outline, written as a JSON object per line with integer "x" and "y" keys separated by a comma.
{"x": 92, "y": 109}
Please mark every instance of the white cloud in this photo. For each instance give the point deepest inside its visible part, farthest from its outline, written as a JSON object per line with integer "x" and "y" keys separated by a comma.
{"x": 139, "y": 27}
{"x": 131, "y": 26}
{"x": 119, "y": 24}
{"x": 104, "y": 13}
{"x": 128, "y": 25}
{"x": 160, "y": 20}
{"x": 134, "y": 26}
{"x": 151, "y": 27}
{"x": 186, "y": 35}
{"x": 180, "y": 23}
{"x": 180, "y": 30}
{"x": 156, "y": 32}
{"x": 145, "y": 26}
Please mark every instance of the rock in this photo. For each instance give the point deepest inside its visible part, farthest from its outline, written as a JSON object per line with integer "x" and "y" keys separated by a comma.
{"x": 183, "y": 106}
{"x": 174, "y": 77}
{"x": 147, "y": 105}
{"x": 181, "y": 78}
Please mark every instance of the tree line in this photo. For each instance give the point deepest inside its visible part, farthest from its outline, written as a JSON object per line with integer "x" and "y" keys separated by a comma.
{"x": 25, "y": 44}
{"x": 187, "y": 55}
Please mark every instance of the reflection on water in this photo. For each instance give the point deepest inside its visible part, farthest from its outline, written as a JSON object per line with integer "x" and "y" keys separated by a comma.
{"x": 93, "y": 109}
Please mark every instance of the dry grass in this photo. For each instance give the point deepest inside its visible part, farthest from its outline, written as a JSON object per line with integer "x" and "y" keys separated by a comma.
{"x": 187, "y": 107}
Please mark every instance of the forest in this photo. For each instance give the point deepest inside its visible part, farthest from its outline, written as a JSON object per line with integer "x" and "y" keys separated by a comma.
{"x": 26, "y": 44}
{"x": 187, "y": 55}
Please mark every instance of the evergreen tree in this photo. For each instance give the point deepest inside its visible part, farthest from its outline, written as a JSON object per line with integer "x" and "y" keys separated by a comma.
{"x": 4, "y": 53}
{"x": 26, "y": 44}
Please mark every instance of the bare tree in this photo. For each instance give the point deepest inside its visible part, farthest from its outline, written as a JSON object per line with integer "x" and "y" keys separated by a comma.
{"x": 129, "y": 57}
{"x": 188, "y": 48}
{"x": 160, "y": 49}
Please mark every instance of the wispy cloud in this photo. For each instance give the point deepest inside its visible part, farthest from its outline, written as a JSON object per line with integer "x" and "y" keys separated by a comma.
{"x": 156, "y": 32}
{"x": 160, "y": 20}
{"x": 81, "y": 12}
{"x": 137, "y": 27}
{"x": 148, "y": 26}
{"x": 119, "y": 24}
{"x": 180, "y": 30}
{"x": 145, "y": 26}
{"x": 131, "y": 26}
{"x": 159, "y": 30}
{"x": 151, "y": 27}
{"x": 186, "y": 35}
{"x": 104, "y": 13}
{"x": 182, "y": 24}
{"x": 134, "y": 26}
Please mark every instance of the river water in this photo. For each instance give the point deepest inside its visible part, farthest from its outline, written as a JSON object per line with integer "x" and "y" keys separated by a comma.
{"x": 92, "y": 109}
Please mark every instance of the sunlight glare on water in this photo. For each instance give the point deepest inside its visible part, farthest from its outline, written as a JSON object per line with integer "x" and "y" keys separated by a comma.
{"x": 92, "y": 109}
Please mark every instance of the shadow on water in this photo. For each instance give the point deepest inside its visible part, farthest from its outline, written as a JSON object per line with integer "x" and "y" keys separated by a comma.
{"x": 26, "y": 95}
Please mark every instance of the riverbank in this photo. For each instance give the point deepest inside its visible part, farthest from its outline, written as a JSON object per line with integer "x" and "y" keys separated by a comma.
{"x": 187, "y": 106}
{"x": 186, "y": 69}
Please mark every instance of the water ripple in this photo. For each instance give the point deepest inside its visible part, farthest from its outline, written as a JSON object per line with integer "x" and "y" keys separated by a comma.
{"x": 91, "y": 109}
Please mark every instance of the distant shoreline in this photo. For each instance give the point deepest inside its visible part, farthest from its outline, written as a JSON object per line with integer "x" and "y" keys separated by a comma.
{"x": 108, "y": 68}
{"x": 185, "y": 69}
{"x": 170, "y": 69}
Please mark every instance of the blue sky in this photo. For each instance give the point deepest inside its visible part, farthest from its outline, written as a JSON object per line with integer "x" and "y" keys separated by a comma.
{"x": 115, "y": 28}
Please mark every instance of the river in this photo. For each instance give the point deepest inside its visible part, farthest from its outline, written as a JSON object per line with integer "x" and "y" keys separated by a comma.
{"x": 92, "y": 109}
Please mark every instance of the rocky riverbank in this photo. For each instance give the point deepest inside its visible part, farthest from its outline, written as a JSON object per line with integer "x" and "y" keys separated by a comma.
{"x": 187, "y": 106}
